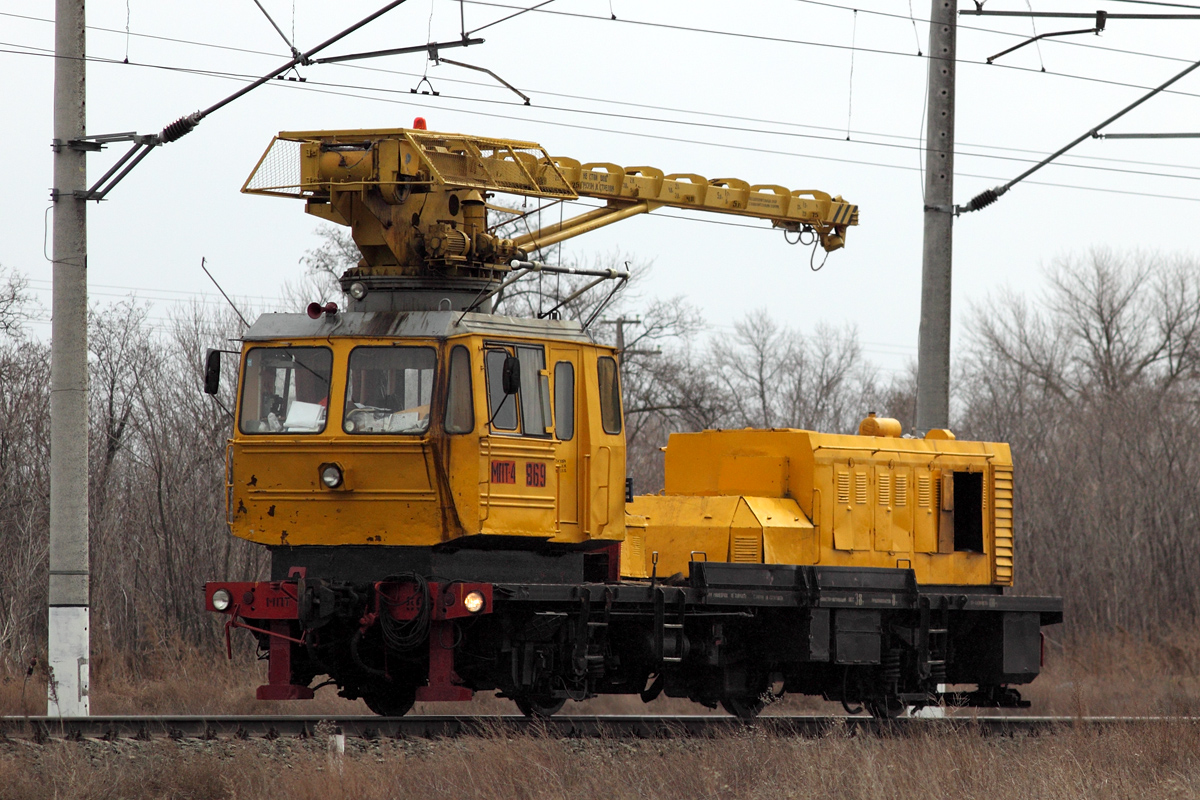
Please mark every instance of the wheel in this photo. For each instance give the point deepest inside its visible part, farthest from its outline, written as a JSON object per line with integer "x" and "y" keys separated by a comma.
{"x": 390, "y": 700}
{"x": 539, "y": 706}
{"x": 743, "y": 706}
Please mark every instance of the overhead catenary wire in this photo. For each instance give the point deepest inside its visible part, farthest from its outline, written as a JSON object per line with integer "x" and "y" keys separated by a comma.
{"x": 916, "y": 35}
{"x": 519, "y": 13}
{"x": 831, "y": 45}
{"x": 313, "y": 84}
{"x": 278, "y": 30}
{"x": 143, "y": 145}
{"x": 661, "y": 107}
{"x": 1156, "y": 3}
{"x": 243, "y": 76}
{"x": 674, "y": 138}
{"x": 978, "y": 29}
{"x": 1037, "y": 40}
{"x": 820, "y": 3}
{"x": 989, "y": 196}
{"x": 317, "y": 87}
{"x": 1140, "y": 54}
{"x": 850, "y": 88}
{"x": 1076, "y": 15}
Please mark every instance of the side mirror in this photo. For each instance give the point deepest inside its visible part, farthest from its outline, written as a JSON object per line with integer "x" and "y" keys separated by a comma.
{"x": 511, "y": 375}
{"x": 212, "y": 371}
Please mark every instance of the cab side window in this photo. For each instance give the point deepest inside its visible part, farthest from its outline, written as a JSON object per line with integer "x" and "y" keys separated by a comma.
{"x": 502, "y": 408}
{"x": 528, "y": 410}
{"x": 535, "y": 391}
{"x": 564, "y": 400}
{"x": 610, "y": 395}
{"x": 460, "y": 409}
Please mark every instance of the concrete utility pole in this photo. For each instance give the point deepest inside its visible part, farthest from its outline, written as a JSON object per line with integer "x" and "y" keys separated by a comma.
{"x": 69, "y": 644}
{"x": 621, "y": 322}
{"x": 933, "y": 348}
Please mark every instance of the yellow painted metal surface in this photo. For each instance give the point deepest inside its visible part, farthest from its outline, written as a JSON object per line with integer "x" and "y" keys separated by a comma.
{"x": 682, "y": 529}
{"x": 739, "y": 529}
{"x": 434, "y": 486}
{"x": 875, "y": 501}
{"x": 634, "y": 563}
{"x": 377, "y": 180}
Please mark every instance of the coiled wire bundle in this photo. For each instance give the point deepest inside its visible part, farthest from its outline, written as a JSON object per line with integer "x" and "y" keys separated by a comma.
{"x": 406, "y": 634}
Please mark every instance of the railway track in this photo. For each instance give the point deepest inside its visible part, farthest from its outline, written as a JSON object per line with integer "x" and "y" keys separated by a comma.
{"x": 268, "y": 727}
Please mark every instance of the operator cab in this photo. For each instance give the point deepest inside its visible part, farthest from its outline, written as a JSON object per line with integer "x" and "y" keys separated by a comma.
{"x": 420, "y": 428}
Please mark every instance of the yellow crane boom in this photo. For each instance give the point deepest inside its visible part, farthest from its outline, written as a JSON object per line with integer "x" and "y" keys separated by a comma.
{"x": 416, "y": 199}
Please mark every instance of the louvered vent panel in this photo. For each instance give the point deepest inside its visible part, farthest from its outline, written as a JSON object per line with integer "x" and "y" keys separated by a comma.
{"x": 745, "y": 549}
{"x": 923, "y": 491}
{"x": 633, "y": 549}
{"x": 885, "y": 490}
{"x": 860, "y": 488}
{"x": 901, "y": 491}
{"x": 1002, "y": 571}
{"x": 843, "y": 488}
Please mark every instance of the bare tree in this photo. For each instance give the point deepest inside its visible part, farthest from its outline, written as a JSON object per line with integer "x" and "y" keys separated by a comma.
{"x": 1094, "y": 384}
{"x": 325, "y": 263}
{"x": 15, "y": 302}
{"x": 774, "y": 377}
{"x": 24, "y": 475}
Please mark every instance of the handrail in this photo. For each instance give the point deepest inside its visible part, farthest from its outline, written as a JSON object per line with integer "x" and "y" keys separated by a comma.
{"x": 873, "y": 450}
{"x": 485, "y": 443}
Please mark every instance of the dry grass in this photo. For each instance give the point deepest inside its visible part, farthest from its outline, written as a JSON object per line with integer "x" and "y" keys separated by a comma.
{"x": 1118, "y": 676}
{"x": 1114, "y": 763}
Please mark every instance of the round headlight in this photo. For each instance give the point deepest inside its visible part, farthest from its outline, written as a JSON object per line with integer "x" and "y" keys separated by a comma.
{"x": 358, "y": 290}
{"x": 221, "y": 599}
{"x": 474, "y": 602}
{"x": 331, "y": 475}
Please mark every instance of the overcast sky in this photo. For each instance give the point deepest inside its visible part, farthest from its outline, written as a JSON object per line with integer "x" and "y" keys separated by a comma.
{"x": 804, "y": 94}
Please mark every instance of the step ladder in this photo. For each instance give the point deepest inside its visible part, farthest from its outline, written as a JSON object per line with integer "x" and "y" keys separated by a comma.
{"x": 934, "y": 639}
{"x": 662, "y": 626}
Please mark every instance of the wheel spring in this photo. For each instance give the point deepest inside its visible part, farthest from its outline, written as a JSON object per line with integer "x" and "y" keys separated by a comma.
{"x": 891, "y": 667}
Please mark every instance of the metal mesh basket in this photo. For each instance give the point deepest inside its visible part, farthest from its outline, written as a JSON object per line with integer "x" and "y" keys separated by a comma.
{"x": 278, "y": 171}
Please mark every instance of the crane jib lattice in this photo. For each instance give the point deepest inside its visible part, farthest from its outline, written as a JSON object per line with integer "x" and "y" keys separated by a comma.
{"x": 315, "y": 165}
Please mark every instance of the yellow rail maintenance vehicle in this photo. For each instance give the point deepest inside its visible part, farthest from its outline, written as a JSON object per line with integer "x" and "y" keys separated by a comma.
{"x": 443, "y": 488}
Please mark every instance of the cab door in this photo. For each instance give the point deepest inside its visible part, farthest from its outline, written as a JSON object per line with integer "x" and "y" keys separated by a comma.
{"x": 518, "y": 485}
{"x": 563, "y": 365}
{"x": 601, "y": 447}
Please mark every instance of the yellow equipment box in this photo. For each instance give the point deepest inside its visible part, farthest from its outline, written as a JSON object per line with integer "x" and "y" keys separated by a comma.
{"x": 940, "y": 506}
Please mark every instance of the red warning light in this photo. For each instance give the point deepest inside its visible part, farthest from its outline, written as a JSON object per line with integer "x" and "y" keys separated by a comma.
{"x": 419, "y": 124}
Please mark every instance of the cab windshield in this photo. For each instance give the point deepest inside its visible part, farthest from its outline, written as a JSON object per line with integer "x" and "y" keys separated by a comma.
{"x": 285, "y": 390}
{"x": 389, "y": 389}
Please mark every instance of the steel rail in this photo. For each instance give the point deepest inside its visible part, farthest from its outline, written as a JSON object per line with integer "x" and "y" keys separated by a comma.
{"x": 270, "y": 727}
